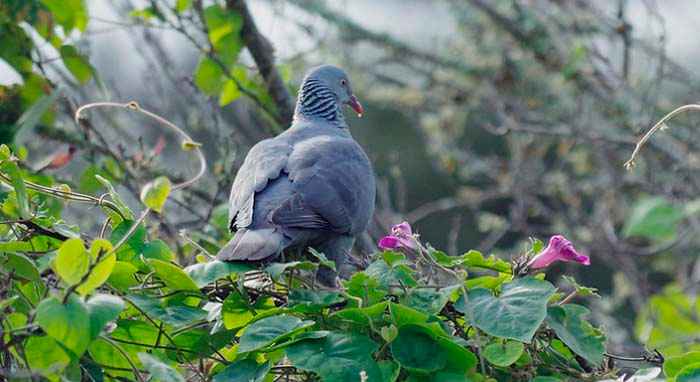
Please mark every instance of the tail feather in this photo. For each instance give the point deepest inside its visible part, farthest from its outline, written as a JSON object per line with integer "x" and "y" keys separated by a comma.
{"x": 253, "y": 245}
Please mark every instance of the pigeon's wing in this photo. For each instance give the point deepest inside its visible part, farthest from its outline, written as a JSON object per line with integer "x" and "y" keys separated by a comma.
{"x": 264, "y": 162}
{"x": 296, "y": 213}
{"x": 333, "y": 187}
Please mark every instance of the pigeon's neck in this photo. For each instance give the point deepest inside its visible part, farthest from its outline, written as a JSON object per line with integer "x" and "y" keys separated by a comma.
{"x": 316, "y": 101}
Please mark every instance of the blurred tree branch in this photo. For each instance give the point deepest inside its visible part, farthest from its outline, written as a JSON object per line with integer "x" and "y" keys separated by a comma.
{"x": 263, "y": 54}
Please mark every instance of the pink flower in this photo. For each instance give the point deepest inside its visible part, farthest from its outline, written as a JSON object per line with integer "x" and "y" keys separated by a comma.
{"x": 559, "y": 248}
{"x": 401, "y": 237}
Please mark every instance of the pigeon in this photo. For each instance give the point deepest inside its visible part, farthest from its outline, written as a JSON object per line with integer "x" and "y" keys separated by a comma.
{"x": 311, "y": 186}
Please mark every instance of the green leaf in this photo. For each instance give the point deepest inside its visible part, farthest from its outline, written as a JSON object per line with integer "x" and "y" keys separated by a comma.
{"x": 402, "y": 315}
{"x": 337, "y": 357}
{"x": 123, "y": 208}
{"x": 200, "y": 343}
{"x": 159, "y": 370}
{"x": 229, "y": 93}
{"x": 16, "y": 246}
{"x": 654, "y": 218}
{"x": 133, "y": 245}
{"x": 103, "y": 308}
{"x": 176, "y": 315}
{"x": 69, "y": 14}
{"x": 155, "y": 193}
{"x": 581, "y": 290}
{"x": 173, "y": 277}
{"x": 236, "y": 312}
{"x": 10, "y": 168}
{"x": 122, "y": 276}
{"x": 488, "y": 282}
{"x": 182, "y": 5}
{"x": 45, "y": 355}
{"x": 399, "y": 274}
{"x": 390, "y": 371}
{"x": 102, "y": 270}
{"x": 363, "y": 316}
{"x": 306, "y": 301}
{"x": 209, "y": 77}
{"x": 157, "y": 249}
{"x": 579, "y": 335}
{"x": 224, "y": 28}
{"x": 503, "y": 354}
{"x": 206, "y": 273}
{"x": 276, "y": 270}
{"x": 516, "y": 313}
{"x": 68, "y": 324}
{"x": 20, "y": 266}
{"x": 690, "y": 373}
{"x": 474, "y": 259}
{"x": 322, "y": 259}
{"x": 459, "y": 358}
{"x": 30, "y": 118}
{"x": 77, "y": 64}
{"x": 72, "y": 261}
{"x": 416, "y": 349}
{"x": 427, "y": 300}
{"x": 269, "y": 330}
{"x": 365, "y": 287}
{"x": 245, "y": 370}
{"x": 674, "y": 365}
{"x": 389, "y": 333}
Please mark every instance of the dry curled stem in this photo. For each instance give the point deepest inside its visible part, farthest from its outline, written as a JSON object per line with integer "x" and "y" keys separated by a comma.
{"x": 661, "y": 125}
{"x": 187, "y": 141}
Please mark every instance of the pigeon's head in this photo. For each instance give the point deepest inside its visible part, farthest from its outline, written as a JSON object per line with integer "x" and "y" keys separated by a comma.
{"x": 325, "y": 88}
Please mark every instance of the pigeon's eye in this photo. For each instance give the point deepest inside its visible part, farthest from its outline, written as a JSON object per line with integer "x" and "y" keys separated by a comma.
{"x": 343, "y": 82}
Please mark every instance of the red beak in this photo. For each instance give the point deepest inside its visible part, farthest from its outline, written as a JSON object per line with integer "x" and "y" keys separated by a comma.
{"x": 356, "y": 105}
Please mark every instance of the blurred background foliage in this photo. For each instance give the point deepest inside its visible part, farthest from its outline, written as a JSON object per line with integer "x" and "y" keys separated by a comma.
{"x": 488, "y": 122}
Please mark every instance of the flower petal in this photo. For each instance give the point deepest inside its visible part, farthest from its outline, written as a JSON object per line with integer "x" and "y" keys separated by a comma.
{"x": 558, "y": 249}
{"x": 402, "y": 229}
{"x": 388, "y": 242}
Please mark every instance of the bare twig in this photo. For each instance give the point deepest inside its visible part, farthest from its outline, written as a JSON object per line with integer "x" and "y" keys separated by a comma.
{"x": 660, "y": 125}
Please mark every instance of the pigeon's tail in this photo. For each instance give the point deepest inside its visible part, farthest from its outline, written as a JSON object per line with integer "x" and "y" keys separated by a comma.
{"x": 253, "y": 245}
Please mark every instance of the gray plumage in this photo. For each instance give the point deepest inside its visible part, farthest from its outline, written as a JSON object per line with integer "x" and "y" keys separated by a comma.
{"x": 312, "y": 185}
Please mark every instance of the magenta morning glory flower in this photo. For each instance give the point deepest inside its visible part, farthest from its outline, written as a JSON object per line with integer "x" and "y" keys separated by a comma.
{"x": 401, "y": 237}
{"x": 559, "y": 248}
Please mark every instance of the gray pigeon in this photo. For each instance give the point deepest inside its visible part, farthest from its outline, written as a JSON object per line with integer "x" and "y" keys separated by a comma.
{"x": 311, "y": 186}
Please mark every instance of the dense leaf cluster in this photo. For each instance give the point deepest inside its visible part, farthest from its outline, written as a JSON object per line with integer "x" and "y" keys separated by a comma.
{"x": 119, "y": 306}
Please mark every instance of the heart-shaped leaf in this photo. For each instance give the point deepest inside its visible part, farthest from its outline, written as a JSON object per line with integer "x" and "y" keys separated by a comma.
{"x": 503, "y": 354}
{"x": 67, "y": 323}
{"x": 101, "y": 271}
{"x": 337, "y": 357}
{"x": 45, "y": 355}
{"x": 416, "y": 349}
{"x": 102, "y": 309}
{"x": 268, "y": 330}
{"x": 19, "y": 265}
{"x": 206, "y": 273}
{"x": 160, "y": 371}
{"x": 155, "y": 193}
{"x": 674, "y": 365}
{"x": 72, "y": 261}
{"x": 579, "y": 335}
{"x": 174, "y": 277}
{"x": 245, "y": 370}
{"x": 516, "y": 313}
